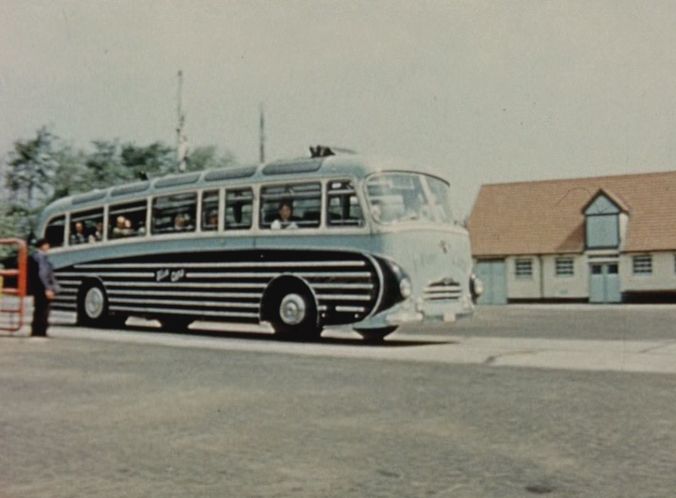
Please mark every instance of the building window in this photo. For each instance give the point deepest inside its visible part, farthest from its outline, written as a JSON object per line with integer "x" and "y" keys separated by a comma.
{"x": 523, "y": 268}
{"x": 602, "y": 231}
{"x": 642, "y": 265}
{"x": 565, "y": 267}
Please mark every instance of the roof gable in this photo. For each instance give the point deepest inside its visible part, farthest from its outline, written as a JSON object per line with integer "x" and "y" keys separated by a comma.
{"x": 604, "y": 203}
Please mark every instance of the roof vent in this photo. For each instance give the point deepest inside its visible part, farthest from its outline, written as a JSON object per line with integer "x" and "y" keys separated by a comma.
{"x": 325, "y": 151}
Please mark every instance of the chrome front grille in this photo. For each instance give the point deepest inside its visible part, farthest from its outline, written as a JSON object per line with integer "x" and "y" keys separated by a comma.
{"x": 443, "y": 290}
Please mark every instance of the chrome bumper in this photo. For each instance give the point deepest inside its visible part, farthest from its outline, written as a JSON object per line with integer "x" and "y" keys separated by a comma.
{"x": 419, "y": 311}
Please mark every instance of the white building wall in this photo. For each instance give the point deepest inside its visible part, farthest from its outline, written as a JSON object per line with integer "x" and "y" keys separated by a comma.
{"x": 523, "y": 287}
{"x": 544, "y": 284}
{"x": 663, "y": 276}
{"x": 575, "y": 286}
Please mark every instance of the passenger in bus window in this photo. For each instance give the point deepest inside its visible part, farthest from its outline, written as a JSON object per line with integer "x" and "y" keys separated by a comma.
{"x": 211, "y": 220}
{"x": 78, "y": 236}
{"x": 285, "y": 217}
{"x": 97, "y": 234}
{"x": 122, "y": 227}
{"x": 181, "y": 223}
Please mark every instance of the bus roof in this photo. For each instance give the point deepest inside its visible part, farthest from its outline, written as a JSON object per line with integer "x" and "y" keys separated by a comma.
{"x": 348, "y": 165}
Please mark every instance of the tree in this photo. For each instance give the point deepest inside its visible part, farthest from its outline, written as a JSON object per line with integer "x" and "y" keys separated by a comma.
{"x": 104, "y": 165}
{"x": 72, "y": 175}
{"x": 206, "y": 157}
{"x": 31, "y": 168}
{"x": 152, "y": 160}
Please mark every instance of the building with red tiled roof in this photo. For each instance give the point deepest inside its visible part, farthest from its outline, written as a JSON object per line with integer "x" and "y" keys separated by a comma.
{"x": 602, "y": 239}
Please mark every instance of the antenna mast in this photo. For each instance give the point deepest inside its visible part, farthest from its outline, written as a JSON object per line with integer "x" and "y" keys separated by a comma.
{"x": 181, "y": 138}
{"x": 261, "y": 134}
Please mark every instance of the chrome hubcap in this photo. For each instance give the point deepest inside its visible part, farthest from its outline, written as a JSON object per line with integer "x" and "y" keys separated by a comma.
{"x": 292, "y": 309}
{"x": 93, "y": 302}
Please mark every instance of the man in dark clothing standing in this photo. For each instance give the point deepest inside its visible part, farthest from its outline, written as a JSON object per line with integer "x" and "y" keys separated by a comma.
{"x": 44, "y": 286}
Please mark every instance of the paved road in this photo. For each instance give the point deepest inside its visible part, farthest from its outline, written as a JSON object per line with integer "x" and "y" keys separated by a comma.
{"x": 137, "y": 413}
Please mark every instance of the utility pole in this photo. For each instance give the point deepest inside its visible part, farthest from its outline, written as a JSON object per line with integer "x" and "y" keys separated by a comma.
{"x": 181, "y": 138}
{"x": 261, "y": 134}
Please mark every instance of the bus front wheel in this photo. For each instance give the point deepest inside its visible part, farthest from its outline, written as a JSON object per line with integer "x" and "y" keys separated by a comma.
{"x": 291, "y": 309}
{"x": 375, "y": 336}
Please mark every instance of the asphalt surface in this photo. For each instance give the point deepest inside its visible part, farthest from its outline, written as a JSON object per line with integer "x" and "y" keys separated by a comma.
{"x": 576, "y": 321}
{"x": 204, "y": 415}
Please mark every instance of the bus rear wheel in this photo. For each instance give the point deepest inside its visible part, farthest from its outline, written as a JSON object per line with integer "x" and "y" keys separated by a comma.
{"x": 375, "y": 336}
{"x": 292, "y": 310}
{"x": 92, "y": 309}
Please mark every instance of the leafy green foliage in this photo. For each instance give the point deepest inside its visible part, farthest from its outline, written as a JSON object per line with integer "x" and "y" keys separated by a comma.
{"x": 44, "y": 168}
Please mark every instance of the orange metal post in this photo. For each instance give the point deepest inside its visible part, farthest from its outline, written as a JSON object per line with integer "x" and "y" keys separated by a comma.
{"x": 19, "y": 274}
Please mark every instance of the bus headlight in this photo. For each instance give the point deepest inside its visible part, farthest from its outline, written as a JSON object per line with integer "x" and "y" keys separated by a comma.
{"x": 405, "y": 287}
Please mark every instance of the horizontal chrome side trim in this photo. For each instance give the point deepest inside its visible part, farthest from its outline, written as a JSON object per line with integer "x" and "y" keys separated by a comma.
{"x": 144, "y": 274}
{"x": 68, "y": 282}
{"x": 245, "y": 295}
{"x": 230, "y": 314}
{"x": 325, "y": 286}
{"x": 350, "y": 309}
{"x": 344, "y": 297}
{"x": 189, "y": 285}
{"x": 242, "y": 264}
{"x": 277, "y": 274}
{"x": 213, "y": 304}
{"x": 441, "y": 297}
{"x": 261, "y": 274}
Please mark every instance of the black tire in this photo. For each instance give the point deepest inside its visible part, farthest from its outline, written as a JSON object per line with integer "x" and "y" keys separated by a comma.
{"x": 175, "y": 324}
{"x": 375, "y": 336}
{"x": 292, "y": 310}
{"x": 92, "y": 307}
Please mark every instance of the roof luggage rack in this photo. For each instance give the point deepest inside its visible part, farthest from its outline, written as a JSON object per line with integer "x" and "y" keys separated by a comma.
{"x": 326, "y": 151}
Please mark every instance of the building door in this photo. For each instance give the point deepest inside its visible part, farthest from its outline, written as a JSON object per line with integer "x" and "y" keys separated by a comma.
{"x": 604, "y": 283}
{"x": 494, "y": 277}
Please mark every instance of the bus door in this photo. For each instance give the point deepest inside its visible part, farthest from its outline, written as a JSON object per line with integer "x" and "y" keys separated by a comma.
{"x": 13, "y": 269}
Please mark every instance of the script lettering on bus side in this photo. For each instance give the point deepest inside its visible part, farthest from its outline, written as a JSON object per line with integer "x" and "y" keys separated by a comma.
{"x": 172, "y": 275}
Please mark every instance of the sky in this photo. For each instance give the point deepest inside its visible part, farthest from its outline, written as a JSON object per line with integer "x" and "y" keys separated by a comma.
{"x": 477, "y": 92}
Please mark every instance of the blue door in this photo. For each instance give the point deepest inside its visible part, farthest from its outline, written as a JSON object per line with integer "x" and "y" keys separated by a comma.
{"x": 494, "y": 277}
{"x": 604, "y": 283}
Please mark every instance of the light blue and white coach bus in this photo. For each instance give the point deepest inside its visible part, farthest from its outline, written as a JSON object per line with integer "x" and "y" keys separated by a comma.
{"x": 300, "y": 244}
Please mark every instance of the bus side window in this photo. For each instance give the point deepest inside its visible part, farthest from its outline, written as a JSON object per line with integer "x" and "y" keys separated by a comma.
{"x": 238, "y": 209}
{"x": 55, "y": 231}
{"x": 343, "y": 208}
{"x": 86, "y": 226}
{"x": 210, "y": 211}
{"x": 127, "y": 220}
{"x": 174, "y": 213}
{"x": 291, "y": 206}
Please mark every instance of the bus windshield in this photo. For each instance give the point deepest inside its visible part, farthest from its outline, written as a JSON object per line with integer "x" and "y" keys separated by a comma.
{"x": 400, "y": 197}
